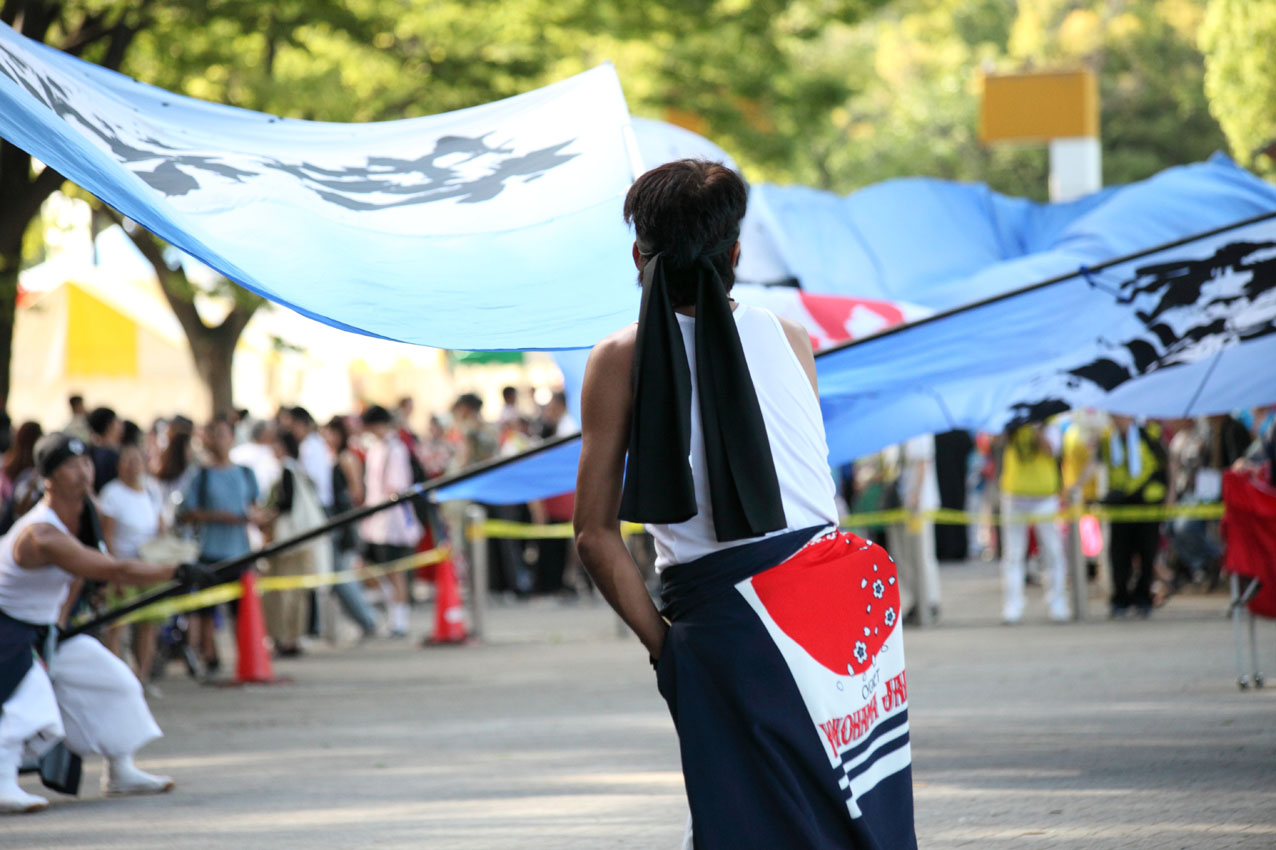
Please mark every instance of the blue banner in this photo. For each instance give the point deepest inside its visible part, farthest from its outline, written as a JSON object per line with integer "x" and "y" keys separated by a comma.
{"x": 496, "y": 227}
{"x": 942, "y": 244}
{"x": 1186, "y": 330}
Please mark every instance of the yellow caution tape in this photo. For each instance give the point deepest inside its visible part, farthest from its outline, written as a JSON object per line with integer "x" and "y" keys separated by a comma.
{"x": 506, "y": 529}
{"x": 1111, "y": 513}
{"x": 218, "y": 594}
{"x": 509, "y": 530}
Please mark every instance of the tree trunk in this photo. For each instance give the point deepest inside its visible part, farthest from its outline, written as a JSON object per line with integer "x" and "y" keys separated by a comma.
{"x": 214, "y": 353}
{"x": 10, "y": 263}
{"x": 21, "y": 195}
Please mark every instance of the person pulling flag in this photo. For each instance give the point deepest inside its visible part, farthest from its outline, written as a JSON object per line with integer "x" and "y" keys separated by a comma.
{"x": 73, "y": 691}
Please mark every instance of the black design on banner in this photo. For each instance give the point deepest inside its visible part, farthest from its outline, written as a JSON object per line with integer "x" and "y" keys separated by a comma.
{"x": 1189, "y": 309}
{"x": 464, "y": 169}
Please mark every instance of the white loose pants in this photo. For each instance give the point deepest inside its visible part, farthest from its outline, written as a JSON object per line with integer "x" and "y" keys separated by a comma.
{"x": 88, "y": 697}
{"x": 1015, "y": 553}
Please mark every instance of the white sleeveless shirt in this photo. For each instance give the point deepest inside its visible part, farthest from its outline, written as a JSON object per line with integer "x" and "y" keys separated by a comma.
{"x": 794, "y": 428}
{"x": 32, "y": 595}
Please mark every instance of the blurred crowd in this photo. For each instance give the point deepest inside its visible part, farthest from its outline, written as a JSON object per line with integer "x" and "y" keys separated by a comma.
{"x": 216, "y": 491}
{"x": 1032, "y": 471}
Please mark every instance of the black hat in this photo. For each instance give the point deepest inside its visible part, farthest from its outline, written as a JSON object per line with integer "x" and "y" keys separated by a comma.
{"x": 52, "y": 450}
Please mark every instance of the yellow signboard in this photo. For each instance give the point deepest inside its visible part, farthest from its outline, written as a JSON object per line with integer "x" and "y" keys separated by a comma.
{"x": 100, "y": 341}
{"x": 1039, "y": 107}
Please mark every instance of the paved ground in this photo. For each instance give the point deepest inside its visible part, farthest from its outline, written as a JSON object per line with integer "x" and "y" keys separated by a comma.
{"x": 551, "y": 735}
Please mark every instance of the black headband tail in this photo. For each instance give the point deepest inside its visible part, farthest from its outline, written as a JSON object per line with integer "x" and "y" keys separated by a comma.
{"x": 743, "y": 486}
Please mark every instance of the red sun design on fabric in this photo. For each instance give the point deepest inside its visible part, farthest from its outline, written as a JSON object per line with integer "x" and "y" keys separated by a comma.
{"x": 838, "y": 599}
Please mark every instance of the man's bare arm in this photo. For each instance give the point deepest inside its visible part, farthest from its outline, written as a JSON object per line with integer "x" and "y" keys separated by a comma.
{"x": 801, "y": 342}
{"x": 40, "y": 544}
{"x": 606, "y": 402}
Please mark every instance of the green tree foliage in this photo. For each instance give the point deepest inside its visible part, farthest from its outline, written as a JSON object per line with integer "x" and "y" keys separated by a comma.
{"x": 1239, "y": 40}
{"x": 919, "y": 64}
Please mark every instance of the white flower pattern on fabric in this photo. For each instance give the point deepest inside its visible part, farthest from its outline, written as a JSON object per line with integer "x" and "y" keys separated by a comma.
{"x": 861, "y": 651}
{"x": 878, "y": 588}
{"x": 889, "y": 617}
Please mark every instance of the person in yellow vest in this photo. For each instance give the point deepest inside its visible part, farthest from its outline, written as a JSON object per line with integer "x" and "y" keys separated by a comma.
{"x": 1030, "y": 486}
{"x": 1137, "y": 466}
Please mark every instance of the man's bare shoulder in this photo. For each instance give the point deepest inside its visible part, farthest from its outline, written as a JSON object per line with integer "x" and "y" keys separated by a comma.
{"x": 798, "y": 336}
{"x": 33, "y": 542}
{"x": 616, "y": 350}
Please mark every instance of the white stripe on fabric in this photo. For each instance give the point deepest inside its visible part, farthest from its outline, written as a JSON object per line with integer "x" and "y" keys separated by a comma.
{"x": 877, "y": 745}
{"x": 888, "y": 765}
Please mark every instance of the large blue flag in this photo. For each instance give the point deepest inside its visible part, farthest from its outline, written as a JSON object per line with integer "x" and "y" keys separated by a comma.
{"x": 942, "y": 244}
{"x": 496, "y": 227}
{"x": 1186, "y": 330}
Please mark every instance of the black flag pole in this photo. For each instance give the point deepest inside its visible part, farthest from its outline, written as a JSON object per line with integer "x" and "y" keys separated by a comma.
{"x": 224, "y": 570}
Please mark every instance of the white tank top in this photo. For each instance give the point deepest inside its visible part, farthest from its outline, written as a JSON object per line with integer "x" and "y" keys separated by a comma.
{"x": 794, "y": 428}
{"x": 32, "y": 595}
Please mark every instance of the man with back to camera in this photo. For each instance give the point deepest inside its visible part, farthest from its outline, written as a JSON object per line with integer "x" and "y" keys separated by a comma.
{"x": 782, "y": 661}
{"x": 78, "y": 691}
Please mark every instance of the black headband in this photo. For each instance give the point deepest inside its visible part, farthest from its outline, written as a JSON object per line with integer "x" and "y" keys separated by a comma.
{"x": 743, "y": 486}
{"x": 59, "y": 453}
{"x": 646, "y": 249}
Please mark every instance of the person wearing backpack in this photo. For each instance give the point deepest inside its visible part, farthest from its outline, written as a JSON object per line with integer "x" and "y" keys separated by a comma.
{"x": 221, "y": 499}
{"x": 1137, "y": 465}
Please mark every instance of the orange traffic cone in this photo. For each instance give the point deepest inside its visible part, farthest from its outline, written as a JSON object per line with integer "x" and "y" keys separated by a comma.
{"x": 449, "y": 614}
{"x": 426, "y": 572}
{"x": 253, "y": 665}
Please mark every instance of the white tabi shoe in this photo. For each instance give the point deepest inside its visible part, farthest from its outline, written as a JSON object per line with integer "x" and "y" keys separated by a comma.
{"x": 123, "y": 779}
{"x": 13, "y": 800}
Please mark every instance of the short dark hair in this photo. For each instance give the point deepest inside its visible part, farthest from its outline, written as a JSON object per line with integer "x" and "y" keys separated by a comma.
{"x": 101, "y": 419}
{"x": 682, "y": 209}
{"x": 507, "y": 392}
{"x": 132, "y": 434}
{"x": 302, "y": 415}
{"x": 76, "y": 401}
{"x": 377, "y": 415}
{"x": 469, "y": 400}
{"x": 288, "y": 440}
